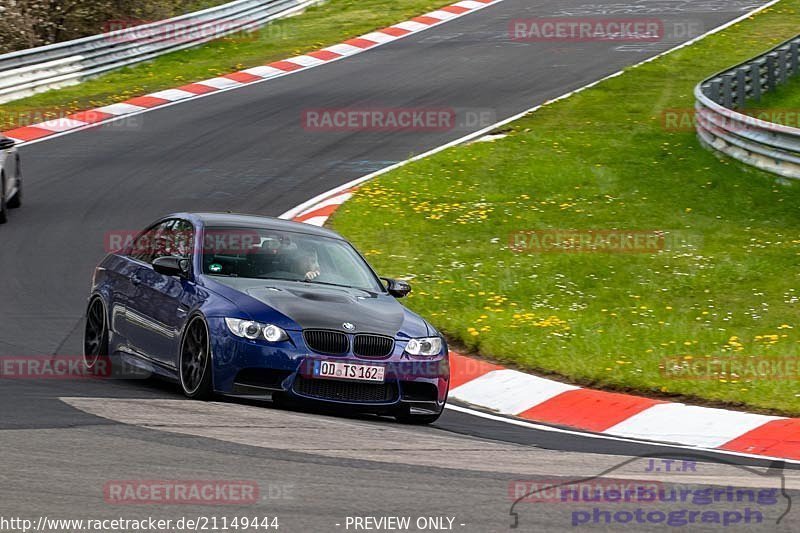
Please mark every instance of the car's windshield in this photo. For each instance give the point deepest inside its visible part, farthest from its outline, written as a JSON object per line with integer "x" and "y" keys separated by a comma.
{"x": 283, "y": 255}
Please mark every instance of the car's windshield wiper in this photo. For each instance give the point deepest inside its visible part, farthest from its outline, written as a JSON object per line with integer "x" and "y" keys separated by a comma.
{"x": 327, "y": 283}
{"x": 304, "y": 280}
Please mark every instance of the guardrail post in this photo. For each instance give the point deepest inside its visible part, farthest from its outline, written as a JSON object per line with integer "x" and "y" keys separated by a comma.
{"x": 782, "y": 66}
{"x": 727, "y": 90}
{"x": 741, "y": 86}
{"x": 755, "y": 81}
{"x": 713, "y": 87}
{"x": 770, "y": 60}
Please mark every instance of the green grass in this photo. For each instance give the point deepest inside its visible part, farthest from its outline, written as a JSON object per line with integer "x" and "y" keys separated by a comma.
{"x": 603, "y": 159}
{"x": 319, "y": 26}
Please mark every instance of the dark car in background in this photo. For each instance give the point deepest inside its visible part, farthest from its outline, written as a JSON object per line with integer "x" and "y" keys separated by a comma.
{"x": 10, "y": 178}
{"x": 256, "y": 306}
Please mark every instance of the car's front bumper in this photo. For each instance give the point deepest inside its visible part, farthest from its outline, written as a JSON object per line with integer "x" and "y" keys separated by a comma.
{"x": 257, "y": 368}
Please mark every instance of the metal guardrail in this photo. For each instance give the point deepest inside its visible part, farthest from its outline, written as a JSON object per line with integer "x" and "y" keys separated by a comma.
{"x": 762, "y": 144}
{"x": 27, "y": 72}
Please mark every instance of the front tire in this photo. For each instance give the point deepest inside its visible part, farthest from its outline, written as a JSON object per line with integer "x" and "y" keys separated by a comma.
{"x": 16, "y": 201}
{"x": 3, "y": 206}
{"x": 194, "y": 364}
{"x": 95, "y": 336}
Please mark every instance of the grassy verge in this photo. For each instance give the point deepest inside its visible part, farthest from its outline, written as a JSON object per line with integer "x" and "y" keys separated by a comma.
{"x": 319, "y": 26}
{"x": 604, "y": 159}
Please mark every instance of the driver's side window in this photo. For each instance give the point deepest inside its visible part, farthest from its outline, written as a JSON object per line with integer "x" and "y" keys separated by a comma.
{"x": 153, "y": 243}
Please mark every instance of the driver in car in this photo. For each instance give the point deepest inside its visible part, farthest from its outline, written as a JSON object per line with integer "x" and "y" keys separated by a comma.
{"x": 309, "y": 264}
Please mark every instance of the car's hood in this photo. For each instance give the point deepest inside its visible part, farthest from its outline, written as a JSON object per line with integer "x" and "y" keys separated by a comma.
{"x": 313, "y": 305}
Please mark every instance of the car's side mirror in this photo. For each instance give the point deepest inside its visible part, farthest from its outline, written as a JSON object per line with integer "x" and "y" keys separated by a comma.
{"x": 397, "y": 287}
{"x": 169, "y": 265}
{"x": 6, "y": 143}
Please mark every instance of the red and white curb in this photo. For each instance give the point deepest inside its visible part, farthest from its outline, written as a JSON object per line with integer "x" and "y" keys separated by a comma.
{"x": 513, "y": 393}
{"x": 234, "y": 80}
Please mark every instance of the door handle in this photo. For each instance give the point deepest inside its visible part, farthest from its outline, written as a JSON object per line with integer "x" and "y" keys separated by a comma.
{"x": 135, "y": 279}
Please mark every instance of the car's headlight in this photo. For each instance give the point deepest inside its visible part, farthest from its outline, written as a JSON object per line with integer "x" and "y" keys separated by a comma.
{"x": 249, "y": 329}
{"x": 427, "y": 346}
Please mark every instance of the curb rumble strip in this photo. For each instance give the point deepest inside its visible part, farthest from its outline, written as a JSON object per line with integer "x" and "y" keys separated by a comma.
{"x": 234, "y": 80}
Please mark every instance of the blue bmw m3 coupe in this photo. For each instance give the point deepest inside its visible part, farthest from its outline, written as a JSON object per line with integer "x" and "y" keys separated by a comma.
{"x": 261, "y": 307}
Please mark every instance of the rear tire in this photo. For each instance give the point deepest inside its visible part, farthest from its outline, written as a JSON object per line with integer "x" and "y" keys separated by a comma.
{"x": 194, "y": 362}
{"x": 95, "y": 336}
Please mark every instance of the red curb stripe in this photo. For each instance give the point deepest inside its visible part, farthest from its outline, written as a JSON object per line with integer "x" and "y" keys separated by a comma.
{"x": 360, "y": 43}
{"x": 325, "y": 55}
{"x": 592, "y": 410}
{"x": 146, "y": 101}
{"x": 242, "y": 77}
{"x": 90, "y": 116}
{"x": 196, "y": 88}
{"x": 455, "y": 9}
{"x": 396, "y": 32}
{"x": 465, "y": 369}
{"x": 779, "y": 438}
{"x": 287, "y": 66}
{"x": 426, "y": 20}
{"x": 326, "y": 211}
{"x": 28, "y": 133}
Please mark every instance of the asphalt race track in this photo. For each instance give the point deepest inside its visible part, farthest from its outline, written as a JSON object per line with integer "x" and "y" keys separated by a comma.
{"x": 246, "y": 150}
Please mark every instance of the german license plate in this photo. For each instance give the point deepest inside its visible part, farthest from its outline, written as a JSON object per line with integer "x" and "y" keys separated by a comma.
{"x": 348, "y": 371}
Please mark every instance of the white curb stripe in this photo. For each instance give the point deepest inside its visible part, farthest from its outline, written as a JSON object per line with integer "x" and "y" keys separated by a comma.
{"x": 688, "y": 424}
{"x": 220, "y": 83}
{"x": 120, "y": 109}
{"x": 411, "y": 26}
{"x": 264, "y": 71}
{"x": 173, "y": 95}
{"x": 379, "y": 37}
{"x": 441, "y": 15}
{"x": 305, "y": 61}
{"x": 508, "y": 391}
{"x": 468, "y": 4}
{"x": 344, "y": 49}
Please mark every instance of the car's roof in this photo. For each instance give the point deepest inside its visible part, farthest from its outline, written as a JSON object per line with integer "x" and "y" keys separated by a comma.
{"x": 237, "y": 220}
